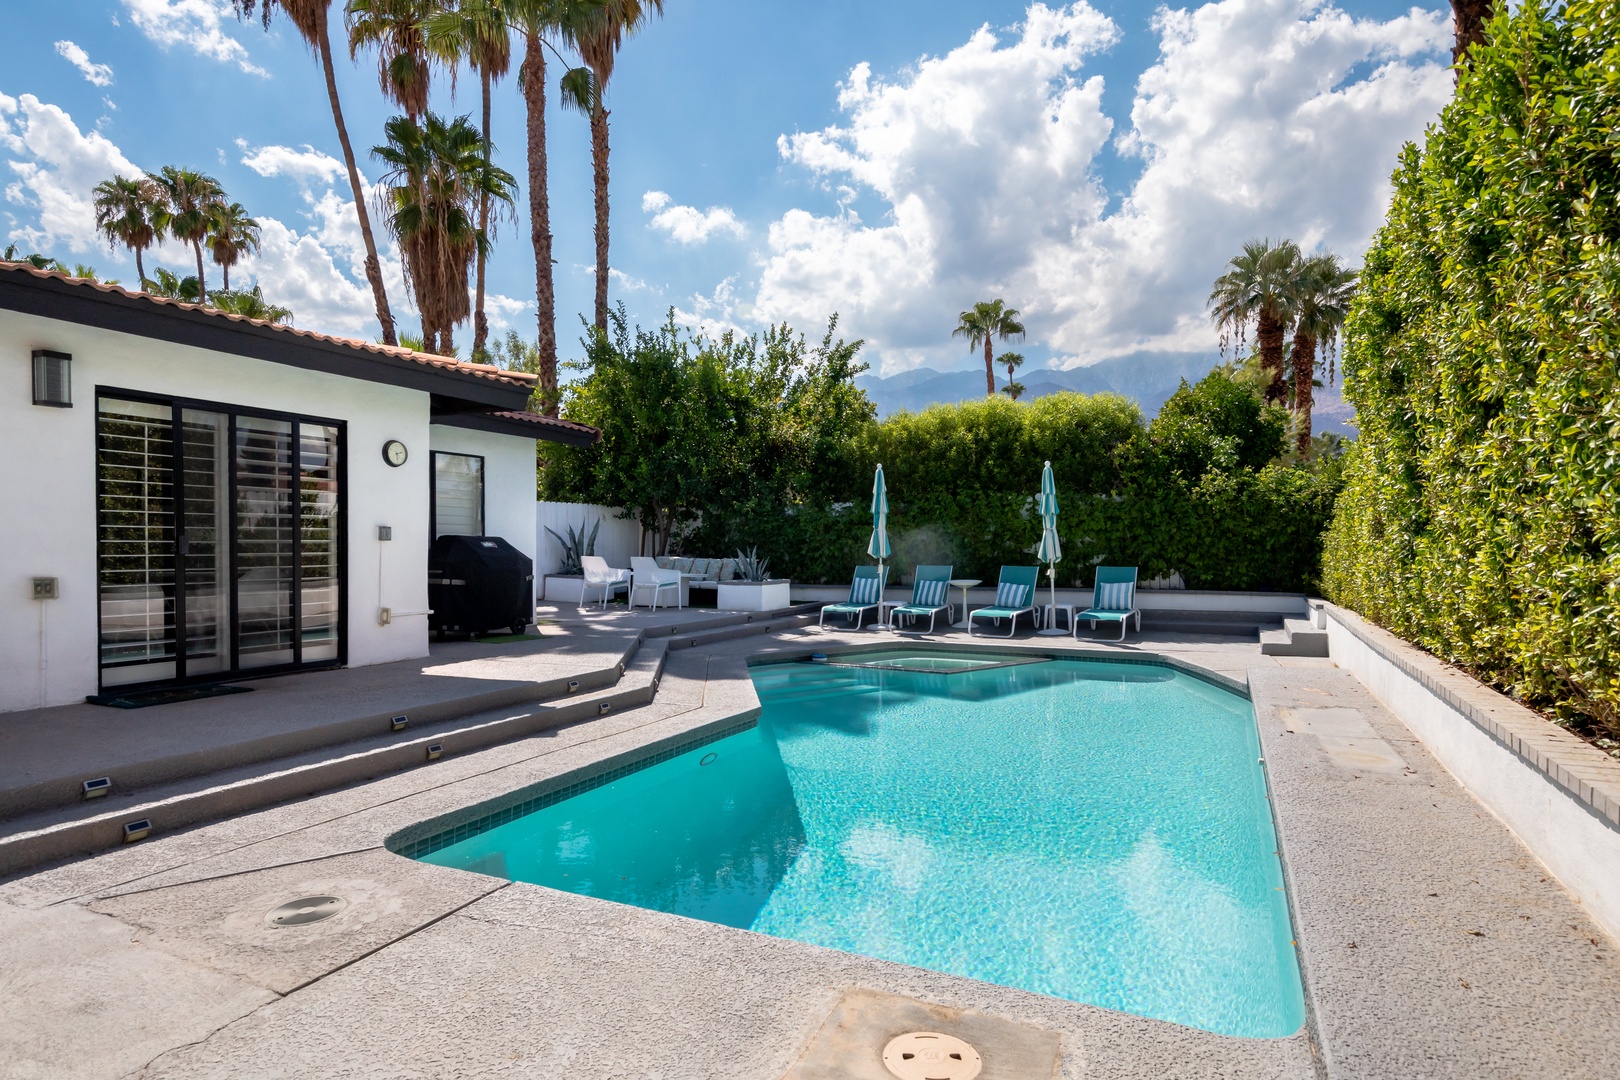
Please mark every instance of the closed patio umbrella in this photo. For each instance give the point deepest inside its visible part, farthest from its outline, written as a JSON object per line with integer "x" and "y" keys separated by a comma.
{"x": 1051, "y": 550}
{"x": 878, "y": 548}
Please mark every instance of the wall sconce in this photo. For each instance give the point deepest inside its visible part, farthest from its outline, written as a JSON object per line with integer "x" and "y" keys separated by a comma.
{"x": 53, "y": 379}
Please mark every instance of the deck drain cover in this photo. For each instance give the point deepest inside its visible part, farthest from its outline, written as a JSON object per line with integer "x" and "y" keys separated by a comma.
{"x": 928, "y": 1055}
{"x": 307, "y": 910}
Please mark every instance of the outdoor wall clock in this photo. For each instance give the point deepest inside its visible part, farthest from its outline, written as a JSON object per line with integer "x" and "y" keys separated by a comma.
{"x": 394, "y": 453}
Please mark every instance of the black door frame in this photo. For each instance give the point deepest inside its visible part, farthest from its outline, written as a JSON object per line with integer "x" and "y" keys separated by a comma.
{"x": 233, "y": 672}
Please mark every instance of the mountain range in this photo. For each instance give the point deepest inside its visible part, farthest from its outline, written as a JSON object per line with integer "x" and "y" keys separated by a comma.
{"x": 1148, "y": 378}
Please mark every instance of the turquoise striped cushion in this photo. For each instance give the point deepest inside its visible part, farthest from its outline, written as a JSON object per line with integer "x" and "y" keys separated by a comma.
{"x": 864, "y": 591}
{"x": 1010, "y": 595}
{"x": 930, "y": 594}
{"x": 1113, "y": 596}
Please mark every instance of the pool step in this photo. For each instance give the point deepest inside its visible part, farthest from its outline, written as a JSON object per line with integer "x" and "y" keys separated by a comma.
{"x": 89, "y": 827}
{"x": 1298, "y": 637}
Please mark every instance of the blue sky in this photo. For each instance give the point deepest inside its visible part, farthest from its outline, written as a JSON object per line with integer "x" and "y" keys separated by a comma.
{"x": 893, "y": 160}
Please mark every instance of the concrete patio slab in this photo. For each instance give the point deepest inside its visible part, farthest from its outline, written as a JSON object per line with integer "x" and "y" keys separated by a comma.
{"x": 81, "y": 999}
{"x": 223, "y": 922}
{"x": 1433, "y": 943}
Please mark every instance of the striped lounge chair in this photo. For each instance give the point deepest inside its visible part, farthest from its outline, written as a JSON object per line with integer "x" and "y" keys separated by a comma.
{"x": 1015, "y": 596}
{"x": 928, "y": 596}
{"x": 1114, "y": 599}
{"x": 865, "y": 594}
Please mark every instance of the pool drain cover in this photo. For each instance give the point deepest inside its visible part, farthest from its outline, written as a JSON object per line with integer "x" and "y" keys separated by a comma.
{"x": 928, "y": 1055}
{"x": 307, "y": 910}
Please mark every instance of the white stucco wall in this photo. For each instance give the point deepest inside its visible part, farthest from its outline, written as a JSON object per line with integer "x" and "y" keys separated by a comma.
{"x": 47, "y": 492}
{"x": 509, "y": 481}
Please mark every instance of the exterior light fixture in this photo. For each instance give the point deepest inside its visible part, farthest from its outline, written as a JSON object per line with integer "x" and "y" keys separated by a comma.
{"x": 95, "y": 789}
{"x": 53, "y": 379}
{"x": 435, "y": 752}
{"x": 398, "y": 723}
{"x": 137, "y": 830}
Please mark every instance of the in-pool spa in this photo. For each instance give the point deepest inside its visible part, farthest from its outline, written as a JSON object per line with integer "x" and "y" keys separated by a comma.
{"x": 1092, "y": 830}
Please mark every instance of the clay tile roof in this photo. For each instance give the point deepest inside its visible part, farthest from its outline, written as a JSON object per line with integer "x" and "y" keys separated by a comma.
{"x": 480, "y": 371}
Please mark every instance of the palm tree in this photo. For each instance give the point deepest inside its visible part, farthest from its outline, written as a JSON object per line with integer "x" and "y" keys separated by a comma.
{"x": 309, "y": 17}
{"x": 251, "y": 304}
{"x": 982, "y": 322}
{"x": 1320, "y": 303}
{"x": 231, "y": 235}
{"x": 477, "y": 31}
{"x": 1012, "y": 362}
{"x": 124, "y": 209}
{"x": 1468, "y": 19}
{"x": 190, "y": 199}
{"x": 1260, "y": 285}
{"x": 395, "y": 29}
{"x": 598, "y": 36}
{"x": 437, "y": 177}
{"x": 172, "y": 285}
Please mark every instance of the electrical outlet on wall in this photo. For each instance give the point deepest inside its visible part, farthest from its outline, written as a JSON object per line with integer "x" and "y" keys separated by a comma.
{"x": 44, "y": 588}
{"x": 385, "y": 616}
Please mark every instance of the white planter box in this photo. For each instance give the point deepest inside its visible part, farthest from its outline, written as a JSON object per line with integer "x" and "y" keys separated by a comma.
{"x": 569, "y": 590}
{"x": 752, "y": 596}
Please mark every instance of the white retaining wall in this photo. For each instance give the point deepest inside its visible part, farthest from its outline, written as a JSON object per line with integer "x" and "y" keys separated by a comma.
{"x": 618, "y": 539}
{"x": 1559, "y": 795}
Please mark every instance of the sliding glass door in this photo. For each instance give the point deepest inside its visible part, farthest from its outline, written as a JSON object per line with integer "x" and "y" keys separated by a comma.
{"x": 220, "y": 540}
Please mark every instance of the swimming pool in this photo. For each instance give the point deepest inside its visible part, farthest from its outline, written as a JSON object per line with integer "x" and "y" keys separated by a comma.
{"x": 1097, "y": 831}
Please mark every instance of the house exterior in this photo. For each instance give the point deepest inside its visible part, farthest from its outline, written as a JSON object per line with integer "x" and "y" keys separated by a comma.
{"x": 190, "y": 495}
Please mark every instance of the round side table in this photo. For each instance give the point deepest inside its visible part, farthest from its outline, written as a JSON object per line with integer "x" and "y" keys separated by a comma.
{"x": 964, "y": 584}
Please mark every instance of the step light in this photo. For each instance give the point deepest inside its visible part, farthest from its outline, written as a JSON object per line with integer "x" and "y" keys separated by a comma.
{"x": 95, "y": 789}
{"x": 435, "y": 752}
{"x": 398, "y": 723}
{"x": 137, "y": 830}
{"x": 573, "y": 684}
{"x": 603, "y": 709}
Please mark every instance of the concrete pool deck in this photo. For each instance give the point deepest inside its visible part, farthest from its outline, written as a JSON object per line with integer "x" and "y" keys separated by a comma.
{"x": 1432, "y": 943}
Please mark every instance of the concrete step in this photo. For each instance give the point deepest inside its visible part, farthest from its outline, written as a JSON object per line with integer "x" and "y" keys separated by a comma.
{"x": 60, "y": 789}
{"x": 85, "y": 828}
{"x": 1297, "y": 638}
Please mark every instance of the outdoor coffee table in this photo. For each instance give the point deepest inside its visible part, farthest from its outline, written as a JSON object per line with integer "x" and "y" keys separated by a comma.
{"x": 964, "y": 584}
{"x": 1050, "y": 621}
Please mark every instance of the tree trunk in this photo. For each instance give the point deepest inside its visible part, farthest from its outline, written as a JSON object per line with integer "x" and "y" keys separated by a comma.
{"x": 202, "y": 288}
{"x": 379, "y": 294}
{"x": 599, "y": 162}
{"x": 532, "y": 81}
{"x": 1304, "y": 358}
{"x": 1468, "y": 19}
{"x": 140, "y": 270}
{"x": 480, "y": 324}
{"x": 225, "y": 277}
{"x": 1269, "y": 336}
{"x": 989, "y": 367}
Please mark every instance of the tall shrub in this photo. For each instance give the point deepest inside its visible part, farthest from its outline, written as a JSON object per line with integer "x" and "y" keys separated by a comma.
{"x": 1481, "y": 517}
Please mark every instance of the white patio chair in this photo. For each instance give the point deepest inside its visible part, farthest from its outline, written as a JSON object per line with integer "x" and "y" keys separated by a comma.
{"x": 598, "y": 574}
{"x": 646, "y": 574}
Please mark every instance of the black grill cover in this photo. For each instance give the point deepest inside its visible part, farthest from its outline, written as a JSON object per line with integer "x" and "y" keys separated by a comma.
{"x": 477, "y": 584}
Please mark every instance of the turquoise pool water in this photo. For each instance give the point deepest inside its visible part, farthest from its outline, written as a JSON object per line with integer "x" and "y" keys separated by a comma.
{"x": 1095, "y": 831}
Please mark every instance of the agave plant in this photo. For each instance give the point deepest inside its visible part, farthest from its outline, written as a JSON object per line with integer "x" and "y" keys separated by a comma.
{"x": 574, "y": 546}
{"x": 751, "y": 567}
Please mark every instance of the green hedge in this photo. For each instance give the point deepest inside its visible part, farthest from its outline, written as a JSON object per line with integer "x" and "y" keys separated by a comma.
{"x": 962, "y": 481}
{"x": 1481, "y": 517}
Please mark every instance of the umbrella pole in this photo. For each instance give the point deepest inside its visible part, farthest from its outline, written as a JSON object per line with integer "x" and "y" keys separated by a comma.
{"x": 1050, "y": 629}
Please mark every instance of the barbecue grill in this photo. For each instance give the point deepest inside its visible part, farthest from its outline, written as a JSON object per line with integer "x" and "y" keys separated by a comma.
{"x": 477, "y": 584}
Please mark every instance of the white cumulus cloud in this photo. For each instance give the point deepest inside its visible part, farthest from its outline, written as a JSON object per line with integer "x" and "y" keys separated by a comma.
{"x": 308, "y": 166}
{"x": 196, "y": 24}
{"x": 1260, "y": 118}
{"x": 96, "y": 74}
{"x": 55, "y": 168}
{"x": 688, "y": 224}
